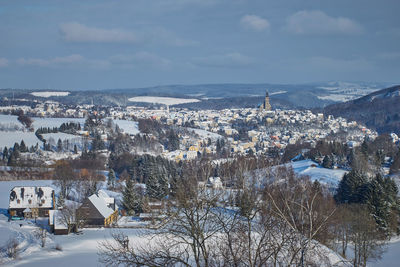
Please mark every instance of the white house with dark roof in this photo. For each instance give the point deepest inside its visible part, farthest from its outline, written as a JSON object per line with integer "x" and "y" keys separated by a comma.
{"x": 31, "y": 201}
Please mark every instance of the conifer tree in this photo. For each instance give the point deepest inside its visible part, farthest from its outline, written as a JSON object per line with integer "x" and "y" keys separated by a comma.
{"x": 5, "y": 153}
{"x": 111, "y": 178}
{"x": 59, "y": 145}
{"x": 75, "y": 149}
{"x": 60, "y": 200}
{"x": 349, "y": 189}
{"x": 22, "y": 147}
{"x": 131, "y": 202}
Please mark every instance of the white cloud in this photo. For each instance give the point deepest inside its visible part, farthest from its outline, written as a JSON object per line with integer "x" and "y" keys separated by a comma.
{"x": 76, "y": 32}
{"x": 50, "y": 62}
{"x": 3, "y": 62}
{"x": 342, "y": 65}
{"x": 140, "y": 59}
{"x": 80, "y": 33}
{"x": 161, "y": 35}
{"x": 316, "y": 22}
{"x": 67, "y": 61}
{"x": 255, "y": 23}
{"x": 231, "y": 60}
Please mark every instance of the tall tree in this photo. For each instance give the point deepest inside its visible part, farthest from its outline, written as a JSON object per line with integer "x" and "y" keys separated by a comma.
{"x": 131, "y": 201}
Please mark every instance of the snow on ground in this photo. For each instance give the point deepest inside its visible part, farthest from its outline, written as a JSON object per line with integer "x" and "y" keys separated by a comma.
{"x": 9, "y": 119}
{"x": 330, "y": 177}
{"x": 163, "y": 100}
{"x": 205, "y": 134}
{"x": 129, "y": 127}
{"x": 54, "y": 122}
{"x": 8, "y": 139}
{"x": 63, "y": 136}
{"x": 390, "y": 258}
{"x": 49, "y": 94}
{"x": 277, "y": 93}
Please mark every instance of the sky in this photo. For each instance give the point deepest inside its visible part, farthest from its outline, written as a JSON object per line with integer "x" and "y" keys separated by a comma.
{"x": 101, "y": 44}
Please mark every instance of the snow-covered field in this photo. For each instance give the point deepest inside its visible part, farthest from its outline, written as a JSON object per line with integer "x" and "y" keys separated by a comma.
{"x": 345, "y": 91}
{"x": 330, "y": 177}
{"x": 8, "y": 139}
{"x": 129, "y": 127}
{"x": 9, "y": 119}
{"x": 205, "y": 134}
{"x": 62, "y": 136}
{"x": 163, "y": 100}
{"x": 54, "y": 122}
{"x": 49, "y": 94}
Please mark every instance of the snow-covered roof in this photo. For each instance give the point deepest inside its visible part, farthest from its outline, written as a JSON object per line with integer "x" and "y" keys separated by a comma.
{"x": 31, "y": 197}
{"x": 109, "y": 200}
{"x": 56, "y": 219}
{"x": 99, "y": 201}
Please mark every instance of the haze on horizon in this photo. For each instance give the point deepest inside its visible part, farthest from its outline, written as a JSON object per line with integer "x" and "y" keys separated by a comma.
{"x": 98, "y": 44}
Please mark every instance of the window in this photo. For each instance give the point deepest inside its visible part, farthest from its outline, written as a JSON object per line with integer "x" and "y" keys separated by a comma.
{"x": 18, "y": 201}
{"x": 30, "y": 201}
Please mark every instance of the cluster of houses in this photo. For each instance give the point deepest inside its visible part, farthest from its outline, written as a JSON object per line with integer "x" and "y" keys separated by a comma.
{"x": 273, "y": 129}
{"x": 98, "y": 210}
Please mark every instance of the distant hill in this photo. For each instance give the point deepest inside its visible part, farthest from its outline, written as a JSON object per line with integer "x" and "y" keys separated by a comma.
{"x": 310, "y": 95}
{"x": 379, "y": 110}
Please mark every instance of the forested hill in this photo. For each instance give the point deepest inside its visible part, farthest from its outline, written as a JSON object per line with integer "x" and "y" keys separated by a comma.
{"x": 379, "y": 110}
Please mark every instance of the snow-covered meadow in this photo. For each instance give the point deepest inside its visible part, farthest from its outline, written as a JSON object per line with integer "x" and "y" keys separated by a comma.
{"x": 129, "y": 127}
{"x": 47, "y": 94}
{"x": 329, "y": 177}
{"x": 163, "y": 100}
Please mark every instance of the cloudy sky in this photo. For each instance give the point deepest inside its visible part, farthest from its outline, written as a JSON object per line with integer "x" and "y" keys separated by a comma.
{"x": 136, "y": 43}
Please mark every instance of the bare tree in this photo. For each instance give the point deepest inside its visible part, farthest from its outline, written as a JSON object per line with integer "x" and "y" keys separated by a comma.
{"x": 64, "y": 177}
{"x": 368, "y": 242}
{"x": 302, "y": 205}
{"x": 11, "y": 248}
{"x": 41, "y": 234}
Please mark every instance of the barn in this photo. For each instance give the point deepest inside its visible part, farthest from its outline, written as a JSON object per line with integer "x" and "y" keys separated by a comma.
{"x": 98, "y": 210}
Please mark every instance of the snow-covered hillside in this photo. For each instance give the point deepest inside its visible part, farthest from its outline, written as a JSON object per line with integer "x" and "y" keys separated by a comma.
{"x": 163, "y": 100}
{"x": 345, "y": 91}
{"x": 49, "y": 94}
{"x": 330, "y": 177}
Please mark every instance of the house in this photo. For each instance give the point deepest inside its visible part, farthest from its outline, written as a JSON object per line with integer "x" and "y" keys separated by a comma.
{"x": 98, "y": 210}
{"x": 58, "y": 224}
{"x": 31, "y": 201}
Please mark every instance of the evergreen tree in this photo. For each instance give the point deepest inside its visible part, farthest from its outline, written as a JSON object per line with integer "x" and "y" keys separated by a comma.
{"x": 59, "y": 145}
{"x": 156, "y": 186}
{"x": 395, "y": 167}
{"x": 111, "y": 178}
{"x": 16, "y": 147}
{"x": 75, "y": 149}
{"x": 13, "y": 158}
{"x": 131, "y": 202}
{"x": 5, "y": 153}
{"x": 327, "y": 162}
{"x": 22, "y": 147}
{"x": 350, "y": 188}
{"x": 60, "y": 200}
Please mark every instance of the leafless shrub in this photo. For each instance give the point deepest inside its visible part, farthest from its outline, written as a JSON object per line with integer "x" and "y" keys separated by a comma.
{"x": 11, "y": 248}
{"x": 41, "y": 234}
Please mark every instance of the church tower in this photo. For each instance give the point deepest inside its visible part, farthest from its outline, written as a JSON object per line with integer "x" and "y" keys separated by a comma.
{"x": 266, "y": 106}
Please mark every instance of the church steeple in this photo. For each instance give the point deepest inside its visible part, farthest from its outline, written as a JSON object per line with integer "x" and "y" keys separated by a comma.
{"x": 266, "y": 105}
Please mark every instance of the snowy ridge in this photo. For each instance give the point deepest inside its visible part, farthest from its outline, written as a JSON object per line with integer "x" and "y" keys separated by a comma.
{"x": 163, "y": 100}
{"x": 47, "y": 94}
